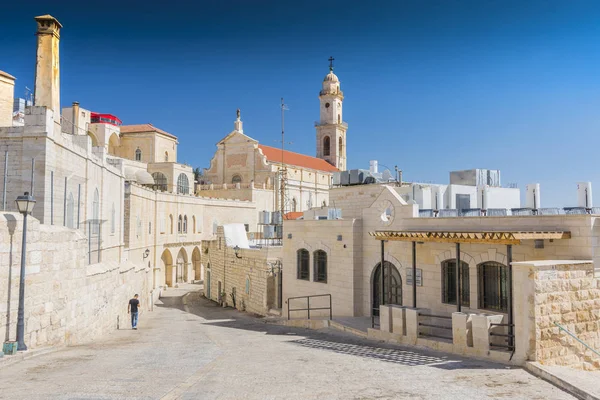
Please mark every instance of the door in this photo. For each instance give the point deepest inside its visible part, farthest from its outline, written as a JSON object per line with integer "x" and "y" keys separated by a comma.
{"x": 396, "y": 294}
{"x": 463, "y": 202}
{"x": 207, "y": 284}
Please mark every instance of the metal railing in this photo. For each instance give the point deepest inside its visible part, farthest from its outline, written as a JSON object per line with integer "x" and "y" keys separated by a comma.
{"x": 508, "y": 337}
{"x": 308, "y": 309}
{"x": 576, "y": 338}
{"x": 434, "y": 325}
{"x": 375, "y": 318}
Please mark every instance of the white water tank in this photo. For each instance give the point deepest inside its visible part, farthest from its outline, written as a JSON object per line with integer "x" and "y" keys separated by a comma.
{"x": 373, "y": 166}
{"x": 532, "y": 196}
{"x": 584, "y": 194}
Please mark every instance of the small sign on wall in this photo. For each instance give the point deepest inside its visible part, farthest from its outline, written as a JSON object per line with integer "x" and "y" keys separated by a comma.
{"x": 409, "y": 276}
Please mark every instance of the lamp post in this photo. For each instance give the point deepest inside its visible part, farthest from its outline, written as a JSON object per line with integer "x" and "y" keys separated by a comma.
{"x": 25, "y": 206}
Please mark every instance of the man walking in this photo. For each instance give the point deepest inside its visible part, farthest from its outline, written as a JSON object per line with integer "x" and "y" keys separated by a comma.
{"x": 132, "y": 309}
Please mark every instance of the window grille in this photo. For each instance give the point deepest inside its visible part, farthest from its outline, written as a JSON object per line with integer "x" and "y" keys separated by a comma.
{"x": 303, "y": 264}
{"x": 449, "y": 283}
{"x": 493, "y": 286}
{"x": 320, "y": 260}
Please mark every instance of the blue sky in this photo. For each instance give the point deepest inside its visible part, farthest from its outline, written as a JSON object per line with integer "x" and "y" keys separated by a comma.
{"x": 430, "y": 86}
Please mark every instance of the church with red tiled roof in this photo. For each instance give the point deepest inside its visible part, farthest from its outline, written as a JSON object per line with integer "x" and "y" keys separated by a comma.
{"x": 241, "y": 162}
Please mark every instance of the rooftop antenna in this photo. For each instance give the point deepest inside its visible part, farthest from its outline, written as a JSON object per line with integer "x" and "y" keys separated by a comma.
{"x": 282, "y": 170}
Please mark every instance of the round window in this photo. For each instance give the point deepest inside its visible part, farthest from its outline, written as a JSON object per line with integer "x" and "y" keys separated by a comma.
{"x": 327, "y": 105}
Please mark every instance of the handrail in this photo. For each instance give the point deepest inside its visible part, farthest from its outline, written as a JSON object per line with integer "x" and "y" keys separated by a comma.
{"x": 576, "y": 338}
{"x": 308, "y": 309}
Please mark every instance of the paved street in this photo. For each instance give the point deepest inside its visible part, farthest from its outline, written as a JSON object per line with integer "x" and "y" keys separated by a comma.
{"x": 200, "y": 351}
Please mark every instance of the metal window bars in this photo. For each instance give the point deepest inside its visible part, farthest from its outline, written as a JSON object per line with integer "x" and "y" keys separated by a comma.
{"x": 308, "y": 308}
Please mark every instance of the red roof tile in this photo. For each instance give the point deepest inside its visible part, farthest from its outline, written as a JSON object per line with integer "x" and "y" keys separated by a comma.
{"x": 300, "y": 160}
{"x": 293, "y": 215}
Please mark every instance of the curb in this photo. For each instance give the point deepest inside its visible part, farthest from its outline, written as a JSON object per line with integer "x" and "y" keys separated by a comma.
{"x": 9, "y": 360}
{"x": 540, "y": 372}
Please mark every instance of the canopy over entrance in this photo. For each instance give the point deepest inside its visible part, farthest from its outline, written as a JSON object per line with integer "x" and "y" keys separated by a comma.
{"x": 489, "y": 237}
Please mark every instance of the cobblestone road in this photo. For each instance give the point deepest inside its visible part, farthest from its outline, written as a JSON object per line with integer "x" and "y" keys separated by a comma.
{"x": 200, "y": 351}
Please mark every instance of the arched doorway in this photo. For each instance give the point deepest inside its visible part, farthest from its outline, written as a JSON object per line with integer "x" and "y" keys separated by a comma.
{"x": 196, "y": 264}
{"x": 182, "y": 266}
{"x": 167, "y": 261}
{"x": 113, "y": 144}
{"x": 376, "y": 286}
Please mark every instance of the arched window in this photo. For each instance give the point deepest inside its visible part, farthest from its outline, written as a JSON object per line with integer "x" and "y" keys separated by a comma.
{"x": 341, "y": 147}
{"x": 112, "y": 219}
{"x": 149, "y": 228}
{"x": 185, "y": 224}
{"x": 236, "y": 179}
{"x": 303, "y": 264}
{"x": 183, "y": 186}
{"x": 171, "y": 220}
{"x": 294, "y": 205}
{"x": 138, "y": 155}
{"x": 166, "y": 156}
{"x": 193, "y": 223}
{"x": 320, "y": 262}
{"x": 160, "y": 181}
{"x": 339, "y": 119}
{"x": 493, "y": 286}
{"x": 70, "y": 211}
{"x": 96, "y": 213}
{"x": 326, "y": 146}
{"x": 449, "y": 283}
{"x": 179, "y": 224}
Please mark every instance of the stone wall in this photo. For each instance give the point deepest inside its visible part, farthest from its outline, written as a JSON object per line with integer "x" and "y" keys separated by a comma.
{"x": 66, "y": 301}
{"x": 251, "y": 275}
{"x": 340, "y": 239}
{"x": 567, "y": 294}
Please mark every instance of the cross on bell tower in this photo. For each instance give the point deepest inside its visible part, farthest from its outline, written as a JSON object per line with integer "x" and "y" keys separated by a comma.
{"x": 331, "y": 59}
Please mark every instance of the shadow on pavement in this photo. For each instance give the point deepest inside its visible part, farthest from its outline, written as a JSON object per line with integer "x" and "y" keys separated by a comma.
{"x": 326, "y": 339}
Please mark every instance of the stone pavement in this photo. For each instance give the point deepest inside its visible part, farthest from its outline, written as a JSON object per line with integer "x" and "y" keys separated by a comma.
{"x": 197, "y": 350}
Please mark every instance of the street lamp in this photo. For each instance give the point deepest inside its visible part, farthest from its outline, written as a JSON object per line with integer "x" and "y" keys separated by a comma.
{"x": 25, "y": 206}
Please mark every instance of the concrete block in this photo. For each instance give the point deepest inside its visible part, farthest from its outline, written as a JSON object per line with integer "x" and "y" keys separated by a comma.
{"x": 398, "y": 319}
{"x": 461, "y": 331}
{"x": 385, "y": 318}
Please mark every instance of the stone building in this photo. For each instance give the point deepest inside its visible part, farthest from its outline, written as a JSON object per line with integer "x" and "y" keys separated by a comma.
{"x": 296, "y": 181}
{"x": 114, "y": 194}
{"x": 239, "y": 276}
{"x": 420, "y": 279}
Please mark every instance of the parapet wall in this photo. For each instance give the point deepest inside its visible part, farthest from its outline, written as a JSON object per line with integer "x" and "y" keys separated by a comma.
{"x": 567, "y": 294}
{"x": 66, "y": 301}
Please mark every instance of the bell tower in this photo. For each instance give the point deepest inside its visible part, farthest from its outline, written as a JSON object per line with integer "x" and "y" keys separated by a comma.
{"x": 331, "y": 128}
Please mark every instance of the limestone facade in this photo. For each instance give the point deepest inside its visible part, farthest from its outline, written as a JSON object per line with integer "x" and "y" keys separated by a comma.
{"x": 7, "y": 91}
{"x": 66, "y": 301}
{"x": 251, "y": 276}
{"x": 553, "y": 294}
{"x": 430, "y": 256}
{"x": 242, "y": 160}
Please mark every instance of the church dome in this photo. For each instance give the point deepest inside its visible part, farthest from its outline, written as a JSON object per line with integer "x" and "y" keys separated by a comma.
{"x": 331, "y": 77}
